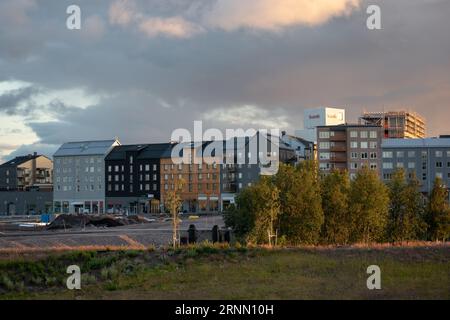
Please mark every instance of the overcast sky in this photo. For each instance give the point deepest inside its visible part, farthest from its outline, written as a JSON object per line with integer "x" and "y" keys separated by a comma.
{"x": 137, "y": 70}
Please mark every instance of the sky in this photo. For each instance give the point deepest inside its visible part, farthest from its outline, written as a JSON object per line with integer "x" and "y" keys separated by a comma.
{"x": 138, "y": 70}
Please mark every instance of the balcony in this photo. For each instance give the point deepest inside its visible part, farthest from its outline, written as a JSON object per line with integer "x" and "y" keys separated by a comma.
{"x": 338, "y": 136}
{"x": 338, "y": 159}
{"x": 338, "y": 148}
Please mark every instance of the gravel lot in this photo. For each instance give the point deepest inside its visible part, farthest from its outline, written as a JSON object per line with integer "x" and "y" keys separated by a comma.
{"x": 156, "y": 233}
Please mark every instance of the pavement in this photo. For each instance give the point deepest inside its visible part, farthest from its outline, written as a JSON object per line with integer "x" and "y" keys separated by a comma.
{"x": 156, "y": 233}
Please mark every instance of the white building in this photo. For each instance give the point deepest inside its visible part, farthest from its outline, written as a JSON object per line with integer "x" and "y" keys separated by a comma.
{"x": 79, "y": 176}
{"x": 314, "y": 118}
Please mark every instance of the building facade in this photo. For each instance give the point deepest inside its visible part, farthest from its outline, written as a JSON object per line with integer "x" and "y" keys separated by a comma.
{"x": 79, "y": 176}
{"x": 304, "y": 150}
{"x": 23, "y": 173}
{"x": 198, "y": 177}
{"x": 313, "y": 118}
{"x": 133, "y": 184}
{"x": 25, "y": 202}
{"x": 427, "y": 159}
{"x": 397, "y": 124}
{"x": 349, "y": 147}
{"x": 241, "y": 172}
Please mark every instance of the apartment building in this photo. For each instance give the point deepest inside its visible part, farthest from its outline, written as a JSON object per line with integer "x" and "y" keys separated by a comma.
{"x": 132, "y": 176}
{"x": 349, "y": 147}
{"x": 26, "y": 172}
{"x": 240, "y": 172}
{"x": 304, "y": 150}
{"x": 79, "y": 176}
{"x": 397, "y": 124}
{"x": 199, "y": 176}
{"x": 425, "y": 158}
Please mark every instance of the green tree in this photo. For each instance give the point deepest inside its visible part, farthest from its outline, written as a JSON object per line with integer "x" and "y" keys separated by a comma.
{"x": 173, "y": 202}
{"x": 301, "y": 216}
{"x": 255, "y": 215}
{"x": 438, "y": 213}
{"x": 369, "y": 207}
{"x": 335, "y": 188}
{"x": 406, "y": 208}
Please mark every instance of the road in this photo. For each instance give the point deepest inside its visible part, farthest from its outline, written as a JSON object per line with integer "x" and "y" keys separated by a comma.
{"x": 156, "y": 233}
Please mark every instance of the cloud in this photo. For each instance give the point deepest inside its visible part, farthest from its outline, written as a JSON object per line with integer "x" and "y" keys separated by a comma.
{"x": 174, "y": 27}
{"x": 273, "y": 15}
{"x": 15, "y": 12}
{"x": 16, "y": 101}
{"x": 122, "y": 12}
{"x": 248, "y": 116}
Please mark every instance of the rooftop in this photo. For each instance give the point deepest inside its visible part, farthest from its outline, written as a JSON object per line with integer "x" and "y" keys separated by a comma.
{"x": 417, "y": 143}
{"x": 85, "y": 148}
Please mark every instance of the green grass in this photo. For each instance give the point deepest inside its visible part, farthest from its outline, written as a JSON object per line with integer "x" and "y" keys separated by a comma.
{"x": 222, "y": 272}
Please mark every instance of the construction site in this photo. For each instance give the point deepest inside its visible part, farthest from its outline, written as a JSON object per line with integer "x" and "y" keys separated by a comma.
{"x": 397, "y": 124}
{"x": 67, "y": 232}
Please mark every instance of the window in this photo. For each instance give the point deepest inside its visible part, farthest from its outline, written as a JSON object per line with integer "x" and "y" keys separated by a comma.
{"x": 373, "y": 155}
{"x": 155, "y": 167}
{"x": 439, "y": 175}
{"x": 400, "y": 154}
{"x": 364, "y": 155}
{"x": 400, "y": 165}
{"x": 324, "y": 145}
{"x": 388, "y": 165}
{"x": 147, "y": 167}
{"x": 387, "y": 154}
{"x": 353, "y": 134}
{"x": 439, "y": 164}
{"x": 324, "y": 156}
{"x": 373, "y": 166}
{"x": 354, "y": 155}
{"x": 353, "y": 165}
{"x": 438, "y": 154}
{"x": 411, "y": 154}
{"x": 324, "y": 134}
{"x": 131, "y": 159}
{"x": 373, "y": 144}
{"x": 373, "y": 134}
{"x": 354, "y": 145}
{"x": 116, "y": 168}
{"x": 448, "y": 154}
{"x": 364, "y": 145}
{"x": 411, "y": 165}
{"x": 363, "y": 134}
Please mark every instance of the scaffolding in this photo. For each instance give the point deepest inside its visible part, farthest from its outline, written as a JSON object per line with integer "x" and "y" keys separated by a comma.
{"x": 397, "y": 124}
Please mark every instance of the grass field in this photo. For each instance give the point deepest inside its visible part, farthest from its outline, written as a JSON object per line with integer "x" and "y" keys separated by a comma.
{"x": 210, "y": 272}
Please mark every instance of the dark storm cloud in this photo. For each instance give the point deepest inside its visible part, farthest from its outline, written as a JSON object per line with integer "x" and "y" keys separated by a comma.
{"x": 12, "y": 102}
{"x": 153, "y": 84}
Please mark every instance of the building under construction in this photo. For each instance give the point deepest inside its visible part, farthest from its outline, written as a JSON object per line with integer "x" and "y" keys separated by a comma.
{"x": 397, "y": 124}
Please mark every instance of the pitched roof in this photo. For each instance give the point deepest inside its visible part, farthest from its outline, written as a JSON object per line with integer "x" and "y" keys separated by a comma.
{"x": 144, "y": 151}
{"x": 85, "y": 148}
{"x": 20, "y": 160}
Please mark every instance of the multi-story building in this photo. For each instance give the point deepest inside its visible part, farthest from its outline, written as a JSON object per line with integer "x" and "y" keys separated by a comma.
{"x": 198, "y": 175}
{"x": 397, "y": 124}
{"x": 425, "y": 158}
{"x": 133, "y": 184}
{"x": 242, "y": 172}
{"x": 349, "y": 147}
{"x": 304, "y": 150}
{"x": 79, "y": 176}
{"x": 313, "y": 118}
{"x": 26, "y": 172}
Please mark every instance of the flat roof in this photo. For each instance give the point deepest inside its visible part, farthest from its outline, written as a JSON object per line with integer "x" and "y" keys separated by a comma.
{"x": 416, "y": 143}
